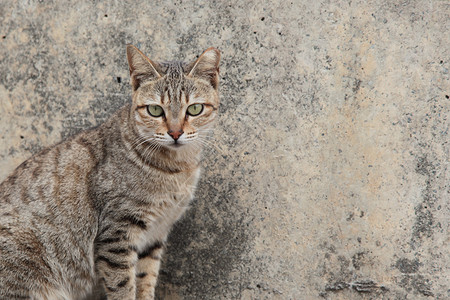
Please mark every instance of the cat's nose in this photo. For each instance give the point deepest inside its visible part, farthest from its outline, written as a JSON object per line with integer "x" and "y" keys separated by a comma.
{"x": 175, "y": 134}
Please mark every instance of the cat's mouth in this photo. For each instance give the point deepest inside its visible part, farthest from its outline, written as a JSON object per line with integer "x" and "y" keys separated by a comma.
{"x": 176, "y": 145}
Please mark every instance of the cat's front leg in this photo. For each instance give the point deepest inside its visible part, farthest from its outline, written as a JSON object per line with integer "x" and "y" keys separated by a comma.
{"x": 147, "y": 269}
{"x": 116, "y": 265}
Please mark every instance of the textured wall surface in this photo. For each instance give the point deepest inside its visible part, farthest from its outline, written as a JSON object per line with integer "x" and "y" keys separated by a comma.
{"x": 328, "y": 177}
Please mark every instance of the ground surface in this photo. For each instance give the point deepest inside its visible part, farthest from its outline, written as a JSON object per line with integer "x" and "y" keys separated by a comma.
{"x": 329, "y": 178}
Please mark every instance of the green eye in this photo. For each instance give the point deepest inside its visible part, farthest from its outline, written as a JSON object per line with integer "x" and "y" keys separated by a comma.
{"x": 195, "y": 109}
{"x": 155, "y": 110}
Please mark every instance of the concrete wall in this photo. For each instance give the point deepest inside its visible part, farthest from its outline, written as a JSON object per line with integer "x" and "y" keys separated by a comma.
{"x": 329, "y": 175}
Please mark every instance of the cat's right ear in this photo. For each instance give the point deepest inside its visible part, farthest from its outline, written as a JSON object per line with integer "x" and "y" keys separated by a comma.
{"x": 141, "y": 67}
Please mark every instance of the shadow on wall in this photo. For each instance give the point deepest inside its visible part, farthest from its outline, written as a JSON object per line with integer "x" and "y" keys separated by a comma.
{"x": 205, "y": 246}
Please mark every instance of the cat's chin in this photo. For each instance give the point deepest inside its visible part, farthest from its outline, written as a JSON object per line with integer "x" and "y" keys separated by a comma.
{"x": 176, "y": 146}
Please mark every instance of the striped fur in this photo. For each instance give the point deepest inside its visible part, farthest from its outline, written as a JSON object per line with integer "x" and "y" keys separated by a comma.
{"x": 95, "y": 210}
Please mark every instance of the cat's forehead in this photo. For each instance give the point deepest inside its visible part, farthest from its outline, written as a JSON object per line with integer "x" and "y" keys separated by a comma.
{"x": 173, "y": 76}
{"x": 173, "y": 68}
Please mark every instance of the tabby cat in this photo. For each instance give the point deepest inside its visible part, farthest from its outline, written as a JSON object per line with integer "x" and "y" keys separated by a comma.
{"x": 96, "y": 209}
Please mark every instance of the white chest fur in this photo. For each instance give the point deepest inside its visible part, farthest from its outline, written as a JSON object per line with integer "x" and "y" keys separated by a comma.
{"x": 166, "y": 211}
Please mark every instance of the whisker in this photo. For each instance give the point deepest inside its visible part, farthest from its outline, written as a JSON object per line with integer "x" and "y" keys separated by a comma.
{"x": 210, "y": 144}
{"x": 150, "y": 151}
{"x": 141, "y": 140}
{"x": 154, "y": 148}
{"x": 135, "y": 142}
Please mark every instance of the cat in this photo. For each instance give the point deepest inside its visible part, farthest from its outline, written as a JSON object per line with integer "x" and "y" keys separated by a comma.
{"x": 97, "y": 208}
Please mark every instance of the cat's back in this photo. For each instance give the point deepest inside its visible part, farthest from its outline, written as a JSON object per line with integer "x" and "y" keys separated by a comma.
{"x": 58, "y": 173}
{"x": 48, "y": 220}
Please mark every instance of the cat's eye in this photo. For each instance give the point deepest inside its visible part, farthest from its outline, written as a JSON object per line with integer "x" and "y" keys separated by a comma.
{"x": 195, "y": 109}
{"x": 155, "y": 110}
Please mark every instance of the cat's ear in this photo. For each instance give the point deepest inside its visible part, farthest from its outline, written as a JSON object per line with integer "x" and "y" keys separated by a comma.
{"x": 207, "y": 67}
{"x": 141, "y": 67}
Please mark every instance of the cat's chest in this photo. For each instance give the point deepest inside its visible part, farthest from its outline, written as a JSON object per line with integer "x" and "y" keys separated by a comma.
{"x": 165, "y": 208}
{"x": 159, "y": 221}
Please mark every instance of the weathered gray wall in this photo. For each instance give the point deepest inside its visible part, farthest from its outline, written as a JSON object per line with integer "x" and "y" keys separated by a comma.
{"x": 330, "y": 174}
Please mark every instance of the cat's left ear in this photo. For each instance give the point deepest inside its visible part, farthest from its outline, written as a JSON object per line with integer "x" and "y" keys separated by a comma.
{"x": 207, "y": 67}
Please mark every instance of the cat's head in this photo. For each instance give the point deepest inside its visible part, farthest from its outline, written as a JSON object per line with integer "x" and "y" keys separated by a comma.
{"x": 174, "y": 103}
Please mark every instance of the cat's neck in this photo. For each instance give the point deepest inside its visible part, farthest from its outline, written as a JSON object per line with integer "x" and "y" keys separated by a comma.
{"x": 150, "y": 154}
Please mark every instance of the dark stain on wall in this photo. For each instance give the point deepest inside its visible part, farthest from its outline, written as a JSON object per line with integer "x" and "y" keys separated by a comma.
{"x": 423, "y": 226}
{"x": 203, "y": 272}
{"x": 407, "y": 266}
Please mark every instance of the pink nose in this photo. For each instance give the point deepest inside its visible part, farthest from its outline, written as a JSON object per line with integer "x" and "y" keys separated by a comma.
{"x": 175, "y": 134}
